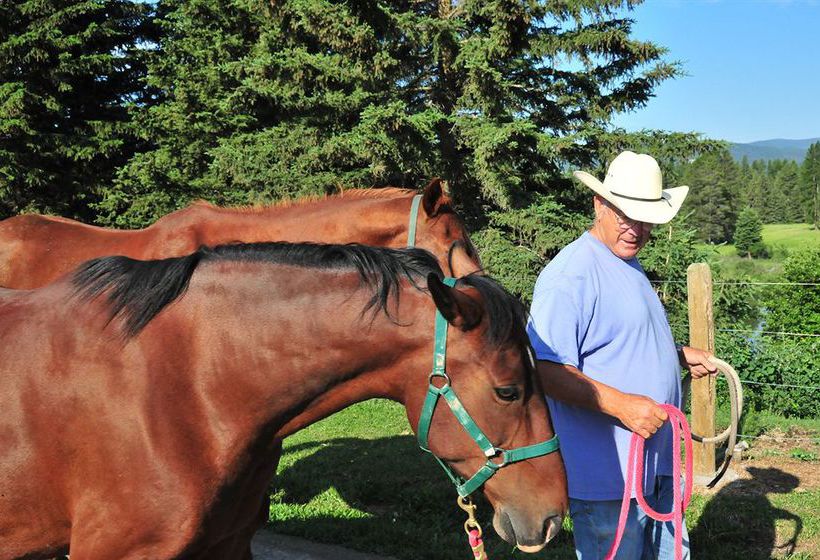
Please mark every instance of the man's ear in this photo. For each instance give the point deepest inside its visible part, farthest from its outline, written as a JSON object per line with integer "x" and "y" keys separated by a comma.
{"x": 459, "y": 309}
{"x": 433, "y": 197}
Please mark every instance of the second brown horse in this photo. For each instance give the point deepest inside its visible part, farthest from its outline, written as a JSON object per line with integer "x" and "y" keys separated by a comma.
{"x": 35, "y": 249}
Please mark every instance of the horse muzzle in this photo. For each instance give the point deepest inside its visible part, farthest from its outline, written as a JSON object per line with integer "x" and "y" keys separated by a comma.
{"x": 514, "y": 529}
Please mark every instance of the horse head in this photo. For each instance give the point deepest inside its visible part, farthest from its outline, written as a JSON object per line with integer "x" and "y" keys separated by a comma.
{"x": 496, "y": 431}
{"x": 441, "y": 231}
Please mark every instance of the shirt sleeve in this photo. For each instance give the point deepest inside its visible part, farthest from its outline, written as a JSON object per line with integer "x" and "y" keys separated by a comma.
{"x": 556, "y": 324}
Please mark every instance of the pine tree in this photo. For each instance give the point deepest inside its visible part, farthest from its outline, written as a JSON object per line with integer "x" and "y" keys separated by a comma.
{"x": 270, "y": 99}
{"x": 749, "y": 234}
{"x": 754, "y": 193}
{"x": 784, "y": 204}
{"x": 68, "y": 72}
{"x": 810, "y": 185}
{"x": 712, "y": 179}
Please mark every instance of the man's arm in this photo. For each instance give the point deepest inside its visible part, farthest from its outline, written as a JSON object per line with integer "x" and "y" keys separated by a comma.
{"x": 567, "y": 383}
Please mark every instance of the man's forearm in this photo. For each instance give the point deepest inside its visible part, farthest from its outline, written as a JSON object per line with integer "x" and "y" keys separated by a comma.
{"x": 570, "y": 385}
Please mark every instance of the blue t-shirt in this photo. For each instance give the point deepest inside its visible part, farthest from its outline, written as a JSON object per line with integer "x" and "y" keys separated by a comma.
{"x": 597, "y": 312}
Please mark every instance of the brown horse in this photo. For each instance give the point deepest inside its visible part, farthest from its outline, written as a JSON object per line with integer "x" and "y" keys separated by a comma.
{"x": 36, "y": 250}
{"x": 144, "y": 402}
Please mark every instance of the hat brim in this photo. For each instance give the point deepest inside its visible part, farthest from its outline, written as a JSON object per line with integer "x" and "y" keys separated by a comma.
{"x": 649, "y": 211}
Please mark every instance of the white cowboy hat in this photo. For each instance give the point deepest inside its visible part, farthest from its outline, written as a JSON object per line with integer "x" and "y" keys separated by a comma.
{"x": 634, "y": 185}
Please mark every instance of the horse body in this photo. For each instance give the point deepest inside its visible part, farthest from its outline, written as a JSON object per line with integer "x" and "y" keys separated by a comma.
{"x": 160, "y": 443}
{"x": 35, "y": 250}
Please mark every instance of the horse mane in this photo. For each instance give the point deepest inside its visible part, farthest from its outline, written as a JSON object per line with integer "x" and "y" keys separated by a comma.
{"x": 139, "y": 290}
{"x": 375, "y": 193}
{"x": 506, "y": 314}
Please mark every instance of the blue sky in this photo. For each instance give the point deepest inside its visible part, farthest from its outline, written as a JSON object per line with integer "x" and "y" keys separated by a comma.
{"x": 753, "y": 68}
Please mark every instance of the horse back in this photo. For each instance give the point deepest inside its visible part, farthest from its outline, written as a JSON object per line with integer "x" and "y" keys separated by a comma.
{"x": 36, "y": 249}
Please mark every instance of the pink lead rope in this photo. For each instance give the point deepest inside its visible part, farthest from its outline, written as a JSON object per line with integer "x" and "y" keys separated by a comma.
{"x": 635, "y": 471}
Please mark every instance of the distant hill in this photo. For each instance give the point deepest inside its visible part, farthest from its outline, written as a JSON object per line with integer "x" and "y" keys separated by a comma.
{"x": 773, "y": 149}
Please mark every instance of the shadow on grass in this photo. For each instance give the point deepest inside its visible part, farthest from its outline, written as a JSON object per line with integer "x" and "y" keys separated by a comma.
{"x": 405, "y": 503}
{"x": 739, "y": 521}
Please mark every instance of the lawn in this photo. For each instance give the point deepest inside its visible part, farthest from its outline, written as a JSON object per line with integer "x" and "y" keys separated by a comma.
{"x": 358, "y": 479}
{"x": 791, "y": 236}
{"x": 780, "y": 239}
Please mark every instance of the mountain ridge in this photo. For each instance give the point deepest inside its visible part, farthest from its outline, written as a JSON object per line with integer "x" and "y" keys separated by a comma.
{"x": 773, "y": 148}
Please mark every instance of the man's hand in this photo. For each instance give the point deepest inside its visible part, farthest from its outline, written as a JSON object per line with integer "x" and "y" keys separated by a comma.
{"x": 640, "y": 414}
{"x": 697, "y": 361}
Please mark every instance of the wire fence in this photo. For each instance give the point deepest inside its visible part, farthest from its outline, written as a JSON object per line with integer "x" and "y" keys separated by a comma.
{"x": 809, "y": 390}
{"x": 741, "y": 283}
{"x": 776, "y": 438}
{"x": 755, "y": 331}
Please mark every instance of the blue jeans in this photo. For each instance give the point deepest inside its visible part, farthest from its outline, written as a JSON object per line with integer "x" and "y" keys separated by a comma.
{"x": 594, "y": 524}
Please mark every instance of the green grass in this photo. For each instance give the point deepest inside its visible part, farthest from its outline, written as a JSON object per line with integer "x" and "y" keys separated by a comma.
{"x": 780, "y": 239}
{"x": 358, "y": 479}
{"x": 791, "y": 236}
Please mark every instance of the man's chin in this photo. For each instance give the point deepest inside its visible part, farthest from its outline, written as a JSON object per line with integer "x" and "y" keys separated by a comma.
{"x": 627, "y": 250}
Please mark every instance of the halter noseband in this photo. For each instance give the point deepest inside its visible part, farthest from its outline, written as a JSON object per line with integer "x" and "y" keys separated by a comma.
{"x": 507, "y": 456}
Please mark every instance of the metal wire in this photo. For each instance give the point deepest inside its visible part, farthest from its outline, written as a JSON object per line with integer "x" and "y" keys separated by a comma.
{"x": 813, "y": 440}
{"x": 738, "y": 283}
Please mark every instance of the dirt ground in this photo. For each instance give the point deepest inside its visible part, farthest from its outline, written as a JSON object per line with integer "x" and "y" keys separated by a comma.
{"x": 759, "y": 502}
{"x": 773, "y": 462}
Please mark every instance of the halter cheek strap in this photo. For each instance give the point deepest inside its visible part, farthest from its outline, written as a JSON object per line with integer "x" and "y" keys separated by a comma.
{"x": 497, "y": 457}
{"x": 414, "y": 216}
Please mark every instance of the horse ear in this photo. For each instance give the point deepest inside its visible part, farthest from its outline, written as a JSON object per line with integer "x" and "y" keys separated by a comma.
{"x": 433, "y": 197}
{"x": 459, "y": 309}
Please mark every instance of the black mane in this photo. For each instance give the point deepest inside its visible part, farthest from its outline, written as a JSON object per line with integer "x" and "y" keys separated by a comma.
{"x": 505, "y": 313}
{"x": 139, "y": 290}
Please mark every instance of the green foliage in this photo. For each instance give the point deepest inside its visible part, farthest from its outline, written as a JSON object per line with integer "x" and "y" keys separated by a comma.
{"x": 713, "y": 182}
{"x": 665, "y": 259}
{"x": 796, "y": 308}
{"x": 260, "y": 100}
{"x": 784, "y": 203}
{"x": 810, "y": 185}
{"x": 516, "y": 244}
{"x": 69, "y": 71}
{"x": 749, "y": 234}
{"x": 775, "y": 360}
{"x": 804, "y": 455}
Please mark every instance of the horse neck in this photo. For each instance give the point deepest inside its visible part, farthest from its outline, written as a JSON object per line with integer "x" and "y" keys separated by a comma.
{"x": 367, "y": 220}
{"x": 319, "y": 354}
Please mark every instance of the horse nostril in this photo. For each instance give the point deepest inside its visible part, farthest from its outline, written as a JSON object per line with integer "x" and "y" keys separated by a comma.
{"x": 553, "y": 526}
{"x": 504, "y": 527}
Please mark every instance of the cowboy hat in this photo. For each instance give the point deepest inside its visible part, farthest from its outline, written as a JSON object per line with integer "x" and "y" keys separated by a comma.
{"x": 634, "y": 185}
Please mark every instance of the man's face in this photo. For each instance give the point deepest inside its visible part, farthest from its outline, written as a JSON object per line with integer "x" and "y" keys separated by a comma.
{"x": 624, "y": 236}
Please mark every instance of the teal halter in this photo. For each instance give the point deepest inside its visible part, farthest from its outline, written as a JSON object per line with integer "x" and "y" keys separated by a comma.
{"x": 414, "y": 216}
{"x": 507, "y": 456}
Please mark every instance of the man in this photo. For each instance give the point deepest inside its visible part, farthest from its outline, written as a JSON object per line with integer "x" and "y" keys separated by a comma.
{"x": 606, "y": 359}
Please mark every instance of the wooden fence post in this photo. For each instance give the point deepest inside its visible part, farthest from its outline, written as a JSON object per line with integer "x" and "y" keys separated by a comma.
{"x": 702, "y": 335}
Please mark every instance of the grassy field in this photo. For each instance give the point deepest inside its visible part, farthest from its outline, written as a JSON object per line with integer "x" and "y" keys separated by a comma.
{"x": 358, "y": 479}
{"x": 791, "y": 236}
{"x": 780, "y": 240}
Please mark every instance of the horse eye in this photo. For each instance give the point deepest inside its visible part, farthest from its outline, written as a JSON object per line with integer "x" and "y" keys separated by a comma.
{"x": 508, "y": 393}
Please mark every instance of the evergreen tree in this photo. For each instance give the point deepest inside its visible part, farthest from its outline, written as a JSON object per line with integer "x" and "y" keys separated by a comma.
{"x": 749, "y": 234}
{"x": 713, "y": 183}
{"x": 754, "y": 191}
{"x": 810, "y": 185}
{"x": 784, "y": 205}
{"x": 271, "y": 99}
{"x": 68, "y": 72}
